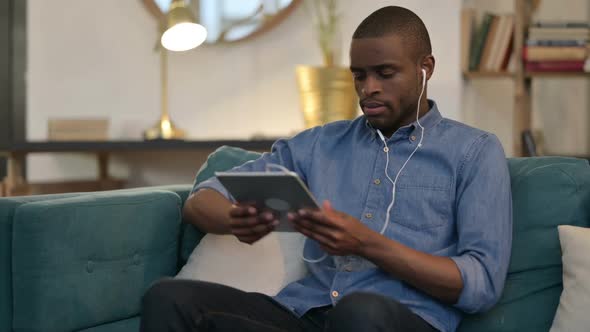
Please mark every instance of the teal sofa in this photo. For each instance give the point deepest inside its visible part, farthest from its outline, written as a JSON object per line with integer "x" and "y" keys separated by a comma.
{"x": 81, "y": 262}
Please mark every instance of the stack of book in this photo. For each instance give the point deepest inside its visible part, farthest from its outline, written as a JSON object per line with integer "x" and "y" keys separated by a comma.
{"x": 557, "y": 47}
{"x": 487, "y": 46}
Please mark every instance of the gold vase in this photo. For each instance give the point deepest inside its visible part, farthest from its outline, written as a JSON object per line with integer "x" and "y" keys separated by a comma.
{"x": 327, "y": 94}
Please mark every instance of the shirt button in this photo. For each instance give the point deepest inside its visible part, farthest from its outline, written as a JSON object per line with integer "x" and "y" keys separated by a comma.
{"x": 413, "y": 138}
{"x": 377, "y": 181}
{"x": 368, "y": 215}
{"x": 335, "y": 294}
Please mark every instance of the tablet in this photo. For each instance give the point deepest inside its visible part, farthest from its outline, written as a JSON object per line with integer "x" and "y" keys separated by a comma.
{"x": 281, "y": 192}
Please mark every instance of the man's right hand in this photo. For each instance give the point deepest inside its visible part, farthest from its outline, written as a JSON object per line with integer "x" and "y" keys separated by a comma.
{"x": 249, "y": 224}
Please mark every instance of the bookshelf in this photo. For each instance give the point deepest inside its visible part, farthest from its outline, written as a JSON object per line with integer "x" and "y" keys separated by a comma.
{"x": 517, "y": 73}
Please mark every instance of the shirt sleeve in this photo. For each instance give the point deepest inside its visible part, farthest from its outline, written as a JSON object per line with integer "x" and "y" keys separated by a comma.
{"x": 293, "y": 154}
{"x": 484, "y": 224}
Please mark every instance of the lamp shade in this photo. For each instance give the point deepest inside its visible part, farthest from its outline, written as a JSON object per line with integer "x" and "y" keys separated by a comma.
{"x": 182, "y": 32}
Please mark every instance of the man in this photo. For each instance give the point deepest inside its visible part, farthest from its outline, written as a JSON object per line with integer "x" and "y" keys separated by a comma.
{"x": 415, "y": 226}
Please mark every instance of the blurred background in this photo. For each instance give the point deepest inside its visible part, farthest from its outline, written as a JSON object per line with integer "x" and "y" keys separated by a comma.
{"x": 92, "y": 76}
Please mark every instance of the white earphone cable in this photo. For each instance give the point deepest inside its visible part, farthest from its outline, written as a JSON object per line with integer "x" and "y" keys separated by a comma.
{"x": 386, "y": 149}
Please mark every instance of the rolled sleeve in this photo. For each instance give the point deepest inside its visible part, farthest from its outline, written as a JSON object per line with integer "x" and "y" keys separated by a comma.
{"x": 214, "y": 184}
{"x": 484, "y": 224}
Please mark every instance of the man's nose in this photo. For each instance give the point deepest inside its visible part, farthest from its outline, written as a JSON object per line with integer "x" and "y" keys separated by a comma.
{"x": 371, "y": 86}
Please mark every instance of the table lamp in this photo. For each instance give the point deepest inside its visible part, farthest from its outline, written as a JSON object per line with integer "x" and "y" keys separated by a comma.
{"x": 180, "y": 33}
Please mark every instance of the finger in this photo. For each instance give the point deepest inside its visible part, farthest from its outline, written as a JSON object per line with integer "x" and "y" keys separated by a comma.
{"x": 314, "y": 227}
{"x": 293, "y": 216}
{"x": 320, "y": 238}
{"x": 251, "y": 238}
{"x": 251, "y": 221}
{"x": 316, "y": 215}
{"x": 256, "y": 230}
{"x": 238, "y": 211}
{"x": 331, "y": 212}
{"x": 243, "y": 222}
{"x": 248, "y": 239}
{"x": 247, "y": 203}
{"x": 316, "y": 221}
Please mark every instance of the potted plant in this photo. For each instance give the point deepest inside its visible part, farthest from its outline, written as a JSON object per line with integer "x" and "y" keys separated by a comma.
{"x": 326, "y": 92}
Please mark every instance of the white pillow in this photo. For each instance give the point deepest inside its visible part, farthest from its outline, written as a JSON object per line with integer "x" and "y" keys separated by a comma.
{"x": 573, "y": 313}
{"x": 265, "y": 267}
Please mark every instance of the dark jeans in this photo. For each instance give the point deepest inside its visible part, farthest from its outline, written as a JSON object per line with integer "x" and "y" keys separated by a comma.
{"x": 183, "y": 305}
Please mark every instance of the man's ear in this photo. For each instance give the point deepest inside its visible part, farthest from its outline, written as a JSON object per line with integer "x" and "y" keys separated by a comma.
{"x": 428, "y": 65}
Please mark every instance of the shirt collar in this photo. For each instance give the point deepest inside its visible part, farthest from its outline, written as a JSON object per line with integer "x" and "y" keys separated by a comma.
{"x": 428, "y": 121}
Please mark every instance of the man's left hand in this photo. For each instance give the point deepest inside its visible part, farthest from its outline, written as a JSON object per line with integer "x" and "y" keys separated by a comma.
{"x": 337, "y": 233}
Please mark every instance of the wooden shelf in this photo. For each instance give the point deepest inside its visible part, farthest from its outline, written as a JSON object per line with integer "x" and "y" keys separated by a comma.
{"x": 522, "y": 94}
{"x": 487, "y": 74}
{"x": 126, "y": 146}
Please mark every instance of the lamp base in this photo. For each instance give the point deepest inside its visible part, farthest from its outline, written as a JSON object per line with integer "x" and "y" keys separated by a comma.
{"x": 164, "y": 129}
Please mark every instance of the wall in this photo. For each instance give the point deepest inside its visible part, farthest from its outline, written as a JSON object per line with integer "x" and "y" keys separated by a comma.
{"x": 95, "y": 58}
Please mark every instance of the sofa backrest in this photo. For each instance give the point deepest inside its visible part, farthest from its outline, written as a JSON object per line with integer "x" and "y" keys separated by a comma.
{"x": 83, "y": 261}
{"x": 546, "y": 192}
{"x": 8, "y": 208}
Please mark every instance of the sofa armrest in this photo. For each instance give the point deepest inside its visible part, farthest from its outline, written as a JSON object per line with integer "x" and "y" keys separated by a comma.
{"x": 190, "y": 235}
{"x": 86, "y": 260}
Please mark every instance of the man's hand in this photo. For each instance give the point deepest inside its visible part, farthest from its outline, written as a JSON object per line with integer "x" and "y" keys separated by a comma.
{"x": 335, "y": 231}
{"x": 249, "y": 224}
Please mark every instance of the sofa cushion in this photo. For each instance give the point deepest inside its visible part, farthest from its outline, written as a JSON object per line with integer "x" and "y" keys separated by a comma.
{"x": 572, "y": 312}
{"x": 264, "y": 267}
{"x": 546, "y": 192}
{"x": 87, "y": 260}
{"x": 222, "y": 159}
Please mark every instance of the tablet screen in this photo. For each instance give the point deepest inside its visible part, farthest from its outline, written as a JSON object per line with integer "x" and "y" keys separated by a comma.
{"x": 279, "y": 192}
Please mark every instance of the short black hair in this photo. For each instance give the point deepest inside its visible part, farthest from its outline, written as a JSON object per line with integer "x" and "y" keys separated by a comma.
{"x": 396, "y": 20}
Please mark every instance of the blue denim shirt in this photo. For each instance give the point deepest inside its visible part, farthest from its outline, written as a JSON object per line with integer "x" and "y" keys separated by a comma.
{"x": 453, "y": 199}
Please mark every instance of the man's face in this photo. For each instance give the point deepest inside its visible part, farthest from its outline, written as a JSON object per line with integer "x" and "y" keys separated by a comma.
{"x": 387, "y": 80}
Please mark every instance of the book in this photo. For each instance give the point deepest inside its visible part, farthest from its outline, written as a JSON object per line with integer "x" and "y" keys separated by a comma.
{"x": 559, "y": 33}
{"x": 467, "y": 33}
{"x": 509, "y": 54}
{"x": 490, "y": 44}
{"x": 479, "y": 41}
{"x": 504, "y": 46}
{"x": 540, "y": 53}
{"x": 555, "y": 42}
{"x": 561, "y": 24}
{"x": 565, "y": 31}
{"x": 555, "y": 66}
{"x": 528, "y": 143}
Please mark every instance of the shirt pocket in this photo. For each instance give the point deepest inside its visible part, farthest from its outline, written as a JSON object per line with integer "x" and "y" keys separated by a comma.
{"x": 422, "y": 202}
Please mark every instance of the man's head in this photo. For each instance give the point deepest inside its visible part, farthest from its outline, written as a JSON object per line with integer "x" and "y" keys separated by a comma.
{"x": 389, "y": 49}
